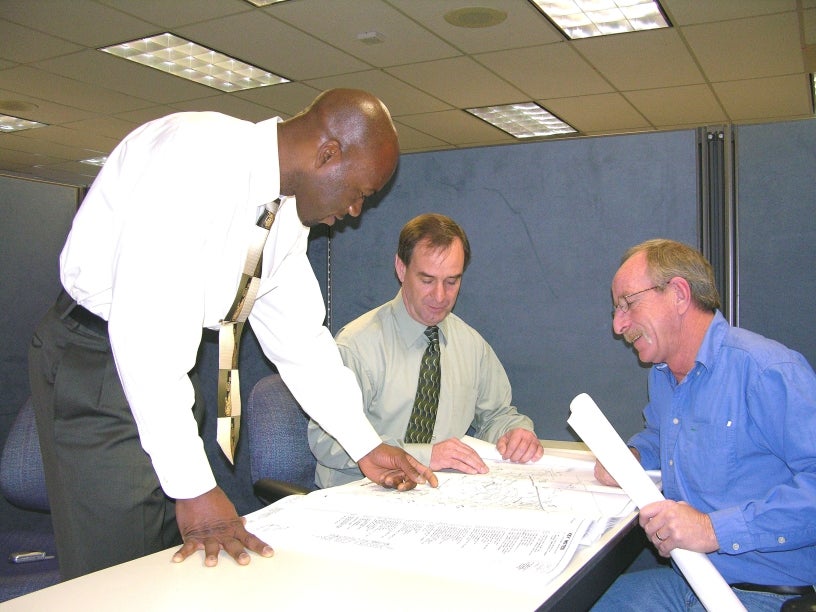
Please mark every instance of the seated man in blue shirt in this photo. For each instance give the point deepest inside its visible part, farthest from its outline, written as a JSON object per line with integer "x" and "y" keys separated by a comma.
{"x": 731, "y": 422}
{"x": 385, "y": 347}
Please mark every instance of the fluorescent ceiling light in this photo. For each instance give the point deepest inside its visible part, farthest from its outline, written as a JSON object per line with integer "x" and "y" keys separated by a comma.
{"x": 525, "y": 120}
{"x": 15, "y": 124}
{"x": 263, "y": 2}
{"x": 170, "y": 53}
{"x": 95, "y": 161}
{"x": 585, "y": 18}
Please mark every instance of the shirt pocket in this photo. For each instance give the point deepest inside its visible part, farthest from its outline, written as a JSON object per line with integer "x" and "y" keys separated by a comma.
{"x": 707, "y": 449}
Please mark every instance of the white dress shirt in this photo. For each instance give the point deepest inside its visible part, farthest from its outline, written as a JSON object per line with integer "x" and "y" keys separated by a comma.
{"x": 157, "y": 249}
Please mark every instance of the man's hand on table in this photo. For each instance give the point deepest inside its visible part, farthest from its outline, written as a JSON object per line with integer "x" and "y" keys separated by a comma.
{"x": 520, "y": 446}
{"x": 456, "y": 455}
{"x": 393, "y": 468}
{"x": 210, "y": 523}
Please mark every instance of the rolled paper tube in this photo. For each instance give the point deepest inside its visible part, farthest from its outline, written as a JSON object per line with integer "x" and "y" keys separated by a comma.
{"x": 598, "y": 434}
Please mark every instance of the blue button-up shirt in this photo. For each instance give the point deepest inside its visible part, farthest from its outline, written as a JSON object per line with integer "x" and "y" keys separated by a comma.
{"x": 736, "y": 439}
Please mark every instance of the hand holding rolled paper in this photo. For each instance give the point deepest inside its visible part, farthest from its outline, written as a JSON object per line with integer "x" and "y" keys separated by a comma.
{"x": 598, "y": 434}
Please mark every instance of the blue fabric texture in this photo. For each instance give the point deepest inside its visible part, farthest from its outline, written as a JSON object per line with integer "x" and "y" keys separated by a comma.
{"x": 665, "y": 590}
{"x": 736, "y": 439}
{"x": 275, "y": 427}
{"x": 22, "y": 479}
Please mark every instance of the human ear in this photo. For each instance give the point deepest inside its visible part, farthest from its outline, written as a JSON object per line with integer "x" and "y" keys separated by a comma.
{"x": 682, "y": 292}
{"x": 399, "y": 268}
{"x": 329, "y": 150}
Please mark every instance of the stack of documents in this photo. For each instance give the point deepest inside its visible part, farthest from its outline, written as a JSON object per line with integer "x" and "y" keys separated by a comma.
{"x": 521, "y": 521}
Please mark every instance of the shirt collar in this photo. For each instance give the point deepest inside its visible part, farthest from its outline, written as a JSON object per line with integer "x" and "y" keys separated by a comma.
{"x": 710, "y": 347}
{"x": 410, "y": 330}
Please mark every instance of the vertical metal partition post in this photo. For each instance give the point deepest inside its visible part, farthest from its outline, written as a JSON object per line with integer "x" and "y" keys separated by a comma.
{"x": 718, "y": 212}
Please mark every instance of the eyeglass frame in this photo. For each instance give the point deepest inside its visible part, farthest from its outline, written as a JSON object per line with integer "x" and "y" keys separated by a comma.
{"x": 625, "y": 299}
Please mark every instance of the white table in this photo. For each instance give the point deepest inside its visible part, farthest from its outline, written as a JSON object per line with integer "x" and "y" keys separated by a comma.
{"x": 293, "y": 580}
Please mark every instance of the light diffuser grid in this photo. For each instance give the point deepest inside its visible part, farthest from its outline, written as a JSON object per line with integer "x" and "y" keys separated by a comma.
{"x": 524, "y": 120}
{"x": 15, "y": 124}
{"x": 586, "y": 18}
{"x": 183, "y": 58}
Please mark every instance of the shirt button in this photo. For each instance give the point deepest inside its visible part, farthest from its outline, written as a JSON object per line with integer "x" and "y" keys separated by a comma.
{"x": 781, "y": 539}
{"x": 735, "y": 546}
{"x": 671, "y": 461}
{"x": 675, "y": 420}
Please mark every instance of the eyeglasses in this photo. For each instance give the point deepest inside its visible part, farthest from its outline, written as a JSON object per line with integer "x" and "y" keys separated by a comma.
{"x": 624, "y": 304}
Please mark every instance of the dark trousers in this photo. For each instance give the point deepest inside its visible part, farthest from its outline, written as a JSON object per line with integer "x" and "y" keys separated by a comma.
{"x": 107, "y": 505}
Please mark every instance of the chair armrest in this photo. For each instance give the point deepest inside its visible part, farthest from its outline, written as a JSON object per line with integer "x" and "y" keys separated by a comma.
{"x": 805, "y": 603}
{"x": 270, "y": 491}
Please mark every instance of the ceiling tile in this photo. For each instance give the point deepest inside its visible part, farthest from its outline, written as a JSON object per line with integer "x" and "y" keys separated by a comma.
{"x": 118, "y": 74}
{"x": 228, "y": 105}
{"x": 46, "y": 111}
{"x": 76, "y": 138}
{"x": 100, "y": 25}
{"x": 771, "y": 98}
{"x": 524, "y": 25}
{"x": 414, "y": 140}
{"x": 114, "y": 128}
{"x": 286, "y": 99}
{"x": 687, "y": 12}
{"x": 399, "y": 97}
{"x": 642, "y": 60}
{"x": 48, "y": 86}
{"x": 404, "y": 41}
{"x": 589, "y": 114}
{"x": 549, "y": 71}
{"x": 809, "y": 19}
{"x": 23, "y": 45}
{"x": 285, "y": 51}
{"x": 746, "y": 48}
{"x": 456, "y": 127}
{"x": 176, "y": 13}
{"x": 677, "y": 105}
{"x": 459, "y": 81}
{"x": 41, "y": 148}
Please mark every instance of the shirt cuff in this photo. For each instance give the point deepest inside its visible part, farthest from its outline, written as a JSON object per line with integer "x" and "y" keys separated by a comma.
{"x": 184, "y": 475}
{"x": 731, "y": 531}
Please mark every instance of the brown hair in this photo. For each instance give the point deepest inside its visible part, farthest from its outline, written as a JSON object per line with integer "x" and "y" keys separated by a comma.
{"x": 438, "y": 230}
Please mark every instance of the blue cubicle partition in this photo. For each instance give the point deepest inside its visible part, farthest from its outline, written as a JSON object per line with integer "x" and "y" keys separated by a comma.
{"x": 547, "y": 223}
{"x": 776, "y": 232}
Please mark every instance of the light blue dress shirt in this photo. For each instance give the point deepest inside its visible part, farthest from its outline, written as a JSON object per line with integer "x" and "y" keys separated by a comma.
{"x": 737, "y": 440}
{"x": 384, "y": 348}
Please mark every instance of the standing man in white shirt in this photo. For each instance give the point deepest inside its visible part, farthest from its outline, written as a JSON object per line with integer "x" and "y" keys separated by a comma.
{"x": 155, "y": 254}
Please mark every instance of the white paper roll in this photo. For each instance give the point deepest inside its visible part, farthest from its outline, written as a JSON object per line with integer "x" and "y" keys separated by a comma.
{"x": 598, "y": 434}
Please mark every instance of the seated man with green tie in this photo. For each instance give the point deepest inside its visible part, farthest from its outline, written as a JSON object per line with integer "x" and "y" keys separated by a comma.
{"x": 427, "y": 377}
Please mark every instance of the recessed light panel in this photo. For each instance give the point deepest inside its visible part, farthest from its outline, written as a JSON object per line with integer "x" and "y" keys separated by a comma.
{"x": 183, "y": 58}
{"x": 586, "y": 18}
{"x": 95, "y": 161}
{"x": 524, "y": 120}
{"x": 15, "y": 124}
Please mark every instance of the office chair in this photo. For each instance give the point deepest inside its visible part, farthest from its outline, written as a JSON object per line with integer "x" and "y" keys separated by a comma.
{"x": 22, "y": 478}
{"x": 281, "y": 462}
{"x": 26, "y": 526}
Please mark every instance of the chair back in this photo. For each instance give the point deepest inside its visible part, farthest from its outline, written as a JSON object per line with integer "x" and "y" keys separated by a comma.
{"x": 276, "y": 429}
{"x": 22, "y": 477}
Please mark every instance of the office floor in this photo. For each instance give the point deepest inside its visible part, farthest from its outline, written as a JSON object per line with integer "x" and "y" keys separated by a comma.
{"x": 22, "y": 530}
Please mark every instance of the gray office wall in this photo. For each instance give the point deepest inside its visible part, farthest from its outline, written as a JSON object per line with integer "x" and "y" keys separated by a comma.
{"x": 34, "y": 220}
{"x": 777, "y": 232}
{"x": 547, "y": 223}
